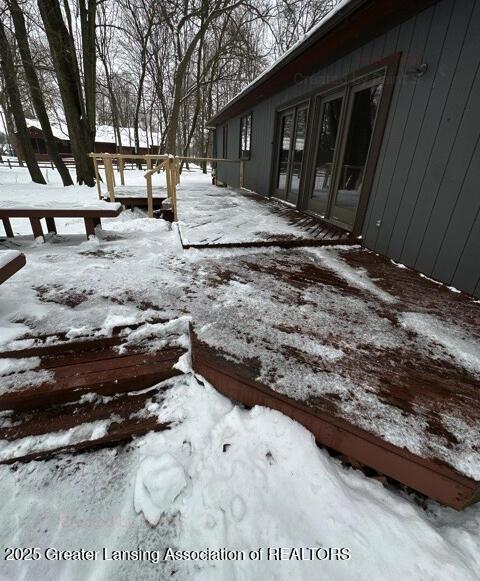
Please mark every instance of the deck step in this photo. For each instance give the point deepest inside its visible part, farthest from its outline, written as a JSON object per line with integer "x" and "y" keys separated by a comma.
{"x": 95, "y": 392}
{"x": 108, "y": 375}
{"x": 70, "y": 370}
{"x": 79, "y": 426}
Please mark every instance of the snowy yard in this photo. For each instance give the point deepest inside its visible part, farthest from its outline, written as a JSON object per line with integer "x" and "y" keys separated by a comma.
{"x": 222, "y": 476}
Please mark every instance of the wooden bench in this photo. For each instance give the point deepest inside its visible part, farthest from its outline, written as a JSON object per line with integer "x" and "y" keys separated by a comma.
{"x": 11, "y": 261}
{"x": 91, "y": 214}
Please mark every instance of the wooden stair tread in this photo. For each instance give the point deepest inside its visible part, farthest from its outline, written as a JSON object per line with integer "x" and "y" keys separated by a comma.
{"x": 117, "y": 434}
{"x": 122, "y": 410}
{"x": 66, "y": 416}
{"x": 108, "y": 377}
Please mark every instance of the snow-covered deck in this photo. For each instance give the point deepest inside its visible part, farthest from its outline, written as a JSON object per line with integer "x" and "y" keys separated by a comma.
{"x": 332, "y": 330}
{"x": 210, "y": 216}
{"x": 381, "y": 364}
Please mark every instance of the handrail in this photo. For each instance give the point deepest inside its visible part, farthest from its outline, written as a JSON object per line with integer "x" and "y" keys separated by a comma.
{"x": 156, "y": 169}
{"x": 128, "y": 155}
{"x": 171, "y": 164}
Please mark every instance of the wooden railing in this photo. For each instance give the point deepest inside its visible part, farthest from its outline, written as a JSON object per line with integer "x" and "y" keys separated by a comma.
{"x": 171, "y": 166}
{"x": 169, "y": 163}
{"x": 108, "y": 158}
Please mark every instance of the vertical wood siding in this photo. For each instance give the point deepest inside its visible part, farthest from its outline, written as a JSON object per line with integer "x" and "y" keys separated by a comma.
{"x": 424, "y": 206}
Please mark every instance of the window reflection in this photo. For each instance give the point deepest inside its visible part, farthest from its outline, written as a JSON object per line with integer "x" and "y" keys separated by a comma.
{"x": 300, "y": 132}
{"x": 285, "y": 139}
{"x": 362, "y": 121}
{"x": 329, "y": 124}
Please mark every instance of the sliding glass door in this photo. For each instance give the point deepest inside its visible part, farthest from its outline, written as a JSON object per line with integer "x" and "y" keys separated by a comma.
{"x": 345, "y": 125}
{"x": 328, "y": 132}
{"x": 291, "y": 132}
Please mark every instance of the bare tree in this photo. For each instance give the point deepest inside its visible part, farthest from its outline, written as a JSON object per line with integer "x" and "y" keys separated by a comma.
{"x": 16, "y": 108}
{"x": 36, "y": 91}
{"x": 65, "y": 62}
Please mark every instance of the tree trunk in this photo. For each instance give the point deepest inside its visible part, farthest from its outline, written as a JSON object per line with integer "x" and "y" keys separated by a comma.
{"x": 8, "y": 71}
{"x": 36, "y": 91}
{"x": 10, "y": 128}
{"x": 66, "y": 69}
{"x": 88, "y": 9}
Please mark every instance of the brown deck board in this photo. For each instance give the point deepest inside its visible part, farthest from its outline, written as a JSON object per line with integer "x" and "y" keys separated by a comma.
{"x": 402, "y": 404}
{"x": 12, "y": 267}
{"x": 93, "y": 366}
{"x": 106, "y": 377}
{"x": 118, "y": 433}
{"x": 434, "y": 479}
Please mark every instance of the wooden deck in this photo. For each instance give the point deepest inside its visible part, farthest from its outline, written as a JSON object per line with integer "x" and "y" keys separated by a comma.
{"x": 136, "y": 196}
{"x": 413, "y": 389}
{"x": 214, "y": 217}
{"x": 87, "y": 381}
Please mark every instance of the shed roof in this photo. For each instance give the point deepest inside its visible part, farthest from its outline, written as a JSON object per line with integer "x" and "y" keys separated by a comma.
{"x": 104, "y": 134}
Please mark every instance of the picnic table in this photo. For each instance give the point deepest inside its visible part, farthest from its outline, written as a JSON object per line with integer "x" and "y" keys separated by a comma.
{"x": 91, "y": 213}
{"x": 11, "y": 261}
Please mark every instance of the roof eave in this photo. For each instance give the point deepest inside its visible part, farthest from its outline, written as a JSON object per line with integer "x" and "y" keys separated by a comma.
{"x": 343, "y": 13}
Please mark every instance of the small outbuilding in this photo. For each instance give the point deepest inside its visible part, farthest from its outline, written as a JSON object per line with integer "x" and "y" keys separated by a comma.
{"x": 372, "y": 122}
{"x": 106, "y": 140}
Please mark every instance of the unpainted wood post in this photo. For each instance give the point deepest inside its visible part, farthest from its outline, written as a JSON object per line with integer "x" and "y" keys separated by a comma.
{"x": 97, "y": 177}
{"x": 177, "y": 171}
{"x": 173, "y": 183}
{"x": 121, "y": 167}
{"x": 149, "y": 189}
{"x": 107, "y": 162}
{"x": 168, "y": 177}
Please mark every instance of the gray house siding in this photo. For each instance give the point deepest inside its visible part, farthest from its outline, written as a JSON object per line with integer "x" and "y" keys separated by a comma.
{"x": 424, "y": 205}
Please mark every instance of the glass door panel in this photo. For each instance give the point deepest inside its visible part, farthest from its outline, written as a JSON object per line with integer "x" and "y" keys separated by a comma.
{"x": 330, "y": 116}
{"x": 363, "y": 107}
{"x": 297, "y": 155}
{"x": 286, "y": 126}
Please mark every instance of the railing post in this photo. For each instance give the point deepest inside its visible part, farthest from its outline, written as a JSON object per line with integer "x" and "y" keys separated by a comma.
{"x": 149, "y": 189}
{"x": 169, "y": 179}
{"x": 97, "y": 177}
{"x": 172, "y": 184}
{"x": 107, "y": 163}
{"x": 121, "y": 164}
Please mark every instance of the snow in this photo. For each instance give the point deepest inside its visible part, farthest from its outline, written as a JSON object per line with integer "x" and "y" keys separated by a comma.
{"x": 60, "y": 205}
{"x": 136, "y": 273}
{"x": 357, "y": 277}
{"x": 160, "y": 480}
{"x": 208, "y": 214}
{"x": 104, "y": 134}
{"x": 7, "y": 256}
{"x": 452, "y": 338}
{"x": 223, "y": 476}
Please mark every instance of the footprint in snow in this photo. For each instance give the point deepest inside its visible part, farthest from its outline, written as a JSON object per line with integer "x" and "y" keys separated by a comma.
{"x": 159, "y": 481}
{"x": 238, "y": 508}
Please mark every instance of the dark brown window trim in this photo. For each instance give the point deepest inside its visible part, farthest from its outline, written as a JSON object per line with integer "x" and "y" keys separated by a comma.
{"x": 300, "y": 103}
{"x": 390, "y": 67}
